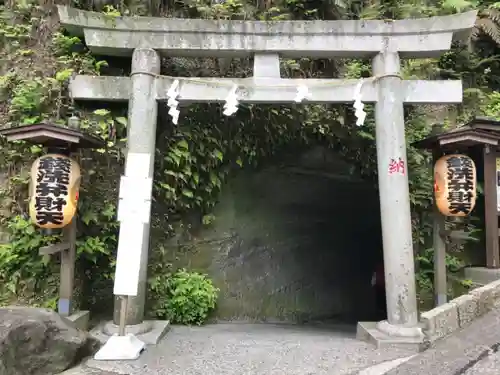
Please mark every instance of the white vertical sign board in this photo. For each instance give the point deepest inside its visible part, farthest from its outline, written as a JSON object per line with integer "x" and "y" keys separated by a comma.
{"x": 138, "y": 165}
{"x": 128, "y": 259}
{"x": 135, "y": 199}
{"x": 134, "y": 209}
{"x": 498, "y": 182}
{"x": 139, "y": 212}
{"x": 136, "y": 188}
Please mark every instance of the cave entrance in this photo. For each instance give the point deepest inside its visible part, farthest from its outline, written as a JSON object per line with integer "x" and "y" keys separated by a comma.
{"x": 304, "y": 241}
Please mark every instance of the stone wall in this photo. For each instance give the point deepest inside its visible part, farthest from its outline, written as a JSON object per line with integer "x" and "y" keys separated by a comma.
{"x": 460, "y": 312}
{"x": 295, "y": 241}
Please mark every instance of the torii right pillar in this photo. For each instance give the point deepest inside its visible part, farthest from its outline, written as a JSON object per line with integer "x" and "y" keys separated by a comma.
{"x": 394, "y": 196}
{"x": 402, "y": 312}
{"x": 402, "y": 324}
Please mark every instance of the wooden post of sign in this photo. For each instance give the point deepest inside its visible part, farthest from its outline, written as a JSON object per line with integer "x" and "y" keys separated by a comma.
{"x": 439, "y": 246}
{"x": 123, "y": 316}
{"x": 490, "y": 208}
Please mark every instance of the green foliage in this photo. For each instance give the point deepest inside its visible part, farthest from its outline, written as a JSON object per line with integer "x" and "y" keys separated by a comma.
{"x": 491, "y": 104}
{"x": 199, "y": 157}
{"x": 186, "y": 177}
{"x": 40, "y": 95}
{"x": 28, "y": 99}
{"x": 184, "y": 297}
{"x": 425, "y": 275}
{"x": 21, "y": 268}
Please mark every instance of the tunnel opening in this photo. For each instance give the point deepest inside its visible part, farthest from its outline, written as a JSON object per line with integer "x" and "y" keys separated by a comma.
{"x": 295, "y": 241}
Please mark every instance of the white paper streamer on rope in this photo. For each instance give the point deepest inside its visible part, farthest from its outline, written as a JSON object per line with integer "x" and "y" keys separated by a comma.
{"x": 231, "y": 104}
{"x": 172, "y": 94}
{"x": 358, "y": 105}
{"x": 302, "y": 93}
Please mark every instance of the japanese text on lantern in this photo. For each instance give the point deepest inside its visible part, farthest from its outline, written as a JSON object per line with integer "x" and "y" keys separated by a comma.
{"x": 460, "y": 173}
{"x": 52, "y": 189}
{"x": 55, "y": 181}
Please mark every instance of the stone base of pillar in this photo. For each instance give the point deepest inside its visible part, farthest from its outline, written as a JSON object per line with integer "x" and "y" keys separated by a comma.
{"x": 79, "y": 319}
{"x": 384, "y": 335}
{"x": 149, "y": 332}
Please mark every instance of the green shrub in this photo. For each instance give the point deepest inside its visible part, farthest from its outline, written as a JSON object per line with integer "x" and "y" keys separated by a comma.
{"x": 23, "y": 271}
{"x": 184, "y": 297}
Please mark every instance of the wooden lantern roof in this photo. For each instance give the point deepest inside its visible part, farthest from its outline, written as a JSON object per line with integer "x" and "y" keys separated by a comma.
{"x": 479, "y": 131}
{"x": 51, "y": 135}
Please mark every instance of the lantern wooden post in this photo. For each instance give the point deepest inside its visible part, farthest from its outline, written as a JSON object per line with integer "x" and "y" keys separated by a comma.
{"x": 68, "y": 258}
{"x": 65, "y": 141}
{"x": 439, "y": 246}
{"x": 490, "y": 207}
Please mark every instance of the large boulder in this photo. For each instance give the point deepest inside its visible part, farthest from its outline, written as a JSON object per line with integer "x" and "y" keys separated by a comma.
{"x": 39, "y": 342}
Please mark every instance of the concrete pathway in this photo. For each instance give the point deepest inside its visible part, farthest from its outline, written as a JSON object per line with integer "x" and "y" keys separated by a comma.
{"x": 253, "y": 349}
{"x": 487, "y": 366}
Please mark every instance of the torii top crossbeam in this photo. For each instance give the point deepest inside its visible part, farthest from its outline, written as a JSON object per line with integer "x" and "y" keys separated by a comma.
{"x": 412, "y": 38}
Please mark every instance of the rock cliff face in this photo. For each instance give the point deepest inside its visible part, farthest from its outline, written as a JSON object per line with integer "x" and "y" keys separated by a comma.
{"x": 39, "y": 342}
{"x": 292, "y": 242}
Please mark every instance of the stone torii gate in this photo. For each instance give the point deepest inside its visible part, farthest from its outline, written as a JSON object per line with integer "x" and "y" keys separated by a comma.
{"x": 146, "y": 39}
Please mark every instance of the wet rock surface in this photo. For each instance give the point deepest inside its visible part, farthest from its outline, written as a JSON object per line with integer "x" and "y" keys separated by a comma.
{"x": 39, "y": 342}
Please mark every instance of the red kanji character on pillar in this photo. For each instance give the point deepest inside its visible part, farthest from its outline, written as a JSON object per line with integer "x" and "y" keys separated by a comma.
{"x": 397, "y": 166}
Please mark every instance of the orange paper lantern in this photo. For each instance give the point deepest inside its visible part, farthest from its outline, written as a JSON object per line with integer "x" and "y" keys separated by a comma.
{"x": 55, "y": 182}
{"x": 455, "y": 185}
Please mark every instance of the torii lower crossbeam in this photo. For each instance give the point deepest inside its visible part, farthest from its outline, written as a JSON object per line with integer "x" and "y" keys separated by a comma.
{"x": 272, "y": 90}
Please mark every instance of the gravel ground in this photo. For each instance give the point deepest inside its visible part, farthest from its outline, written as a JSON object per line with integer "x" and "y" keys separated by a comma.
{"x": 254, "y": 349}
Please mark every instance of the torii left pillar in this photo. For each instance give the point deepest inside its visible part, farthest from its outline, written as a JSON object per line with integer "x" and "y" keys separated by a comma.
{"x": 135, "y": 200}
{"x": 141, "y": 141}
